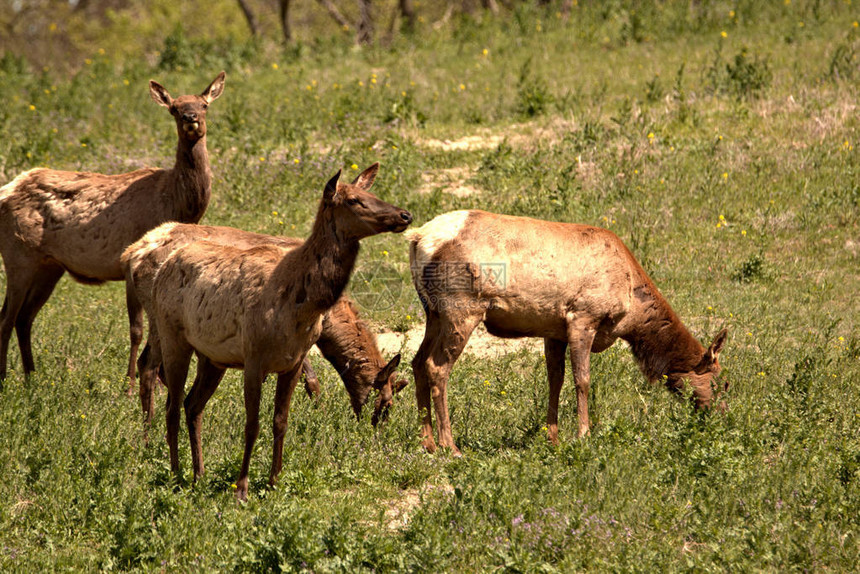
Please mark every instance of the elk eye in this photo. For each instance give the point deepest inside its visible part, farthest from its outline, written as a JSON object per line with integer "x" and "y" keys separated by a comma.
{"x": 354, "y": 201}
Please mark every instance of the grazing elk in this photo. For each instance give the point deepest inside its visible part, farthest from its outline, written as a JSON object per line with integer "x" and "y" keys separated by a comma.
{"x": 259, "y": 309}
{"x": 345, "y": 341}
{"x": 573, "y": 285}
{"x": 56, "y": 221}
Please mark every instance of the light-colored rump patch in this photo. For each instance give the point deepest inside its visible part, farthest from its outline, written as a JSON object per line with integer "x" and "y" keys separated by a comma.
{"x": 10, "y": 187}
{"x": 436, "y": 232}
{"x": 152, "y": 239}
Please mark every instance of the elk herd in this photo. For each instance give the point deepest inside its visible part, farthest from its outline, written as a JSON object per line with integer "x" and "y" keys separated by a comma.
{"x": 236, "y": 299}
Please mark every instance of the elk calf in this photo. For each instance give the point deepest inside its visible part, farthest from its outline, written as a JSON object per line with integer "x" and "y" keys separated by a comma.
{"x": 259, "y": 309}
{"x": 56, "y": 221}
{"x": 345, "y": 341}
{"x": 577, "y": 287}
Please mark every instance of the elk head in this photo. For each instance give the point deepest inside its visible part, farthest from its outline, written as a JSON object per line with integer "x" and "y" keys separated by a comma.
{"x": 704, "y": 377}
{"x": 189, "y": 111}
{"x": 358, "y": 212}
{"x": 388, "y": 387}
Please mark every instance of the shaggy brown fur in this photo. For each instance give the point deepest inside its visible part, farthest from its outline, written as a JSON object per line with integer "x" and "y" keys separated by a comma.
{"x": 576, "y": 286}
{"x": 56, "y": 221}
{"x": 259, "y": 309}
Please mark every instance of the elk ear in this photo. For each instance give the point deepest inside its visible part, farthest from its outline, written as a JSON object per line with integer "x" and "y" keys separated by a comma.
{"x": 331, "y": 187}
{"x": 386, "y": 371}
{"x": 366, "y": 178}
{"x": 159, "y": 94}
{"x": 215, "y": 89}
{"x": 714, "y": 350}
{"x": 399, "y": 385}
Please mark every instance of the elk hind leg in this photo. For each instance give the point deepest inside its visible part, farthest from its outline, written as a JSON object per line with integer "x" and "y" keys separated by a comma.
{"x": 149, "y": 367}
{"x": 18, "y": 287}
{"x": 440, "y": 353}
{"x": 43, "y": 284}
{"x": 422, "y": 387}
{"x": 580, "y": 337}
{"x": 135, "y": 331}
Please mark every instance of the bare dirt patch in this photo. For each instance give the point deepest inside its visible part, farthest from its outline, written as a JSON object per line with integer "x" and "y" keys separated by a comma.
{"x": 465, "y": 143}
{"x": 481, "y": 344}
{"x": 401, "y": 509}
{"x": 517, "y": 135}
{"x": 452, "y": 180}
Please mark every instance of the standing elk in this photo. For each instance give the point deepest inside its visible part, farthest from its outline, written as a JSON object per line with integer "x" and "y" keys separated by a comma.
{"x": 259, "y": 309}
{"x": 345, "y": 341}
{"x": 573, "y": 285}
{"x": 56, "y": 221}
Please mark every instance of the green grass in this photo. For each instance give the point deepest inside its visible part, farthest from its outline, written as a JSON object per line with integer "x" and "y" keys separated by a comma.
{"x": 728, "y": 164}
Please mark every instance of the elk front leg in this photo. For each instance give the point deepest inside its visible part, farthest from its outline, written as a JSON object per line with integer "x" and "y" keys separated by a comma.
{"x": 254, "y": 377}
{"x": 554, "y": 352}
{"x": 205, "y": 383}
{"x": 283, "y": 396}
{"x": 177, "y": 356}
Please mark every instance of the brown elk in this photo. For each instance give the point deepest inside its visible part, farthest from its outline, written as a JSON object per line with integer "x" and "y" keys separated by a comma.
{"x": 259, "y": 309}
{"x": 345, "y": 341}
{"x": 56, "y": 221}
{"x": 573, "y": 285}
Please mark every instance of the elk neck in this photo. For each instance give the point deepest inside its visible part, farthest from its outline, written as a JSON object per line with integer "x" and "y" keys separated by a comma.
{"x": 192, "y": 178}
{"x": 660, "y": 342}
{"x": 326, "y": 260}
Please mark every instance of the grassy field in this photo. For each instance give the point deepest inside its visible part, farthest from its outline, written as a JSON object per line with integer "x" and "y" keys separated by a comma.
{"x": 718, "y": 140}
